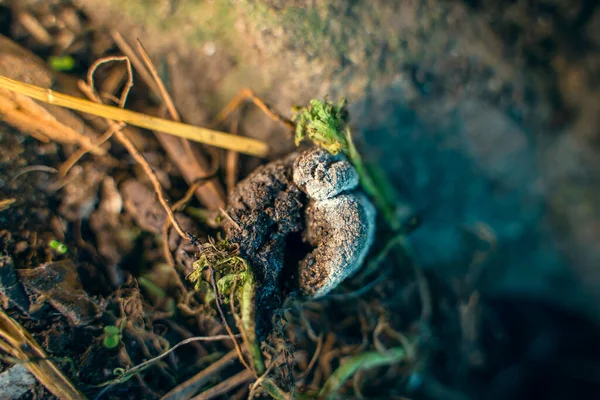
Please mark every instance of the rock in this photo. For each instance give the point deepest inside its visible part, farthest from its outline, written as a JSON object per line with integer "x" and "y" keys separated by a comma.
{"x": 15, "y": 382}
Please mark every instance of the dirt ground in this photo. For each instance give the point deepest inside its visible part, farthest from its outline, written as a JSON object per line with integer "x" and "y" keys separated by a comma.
{"x": 483, "y": 114}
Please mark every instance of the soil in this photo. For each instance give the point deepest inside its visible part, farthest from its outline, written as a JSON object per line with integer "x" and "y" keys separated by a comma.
{"x": 483, "y": 114}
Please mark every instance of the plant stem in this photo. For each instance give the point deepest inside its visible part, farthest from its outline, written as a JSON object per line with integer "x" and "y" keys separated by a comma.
{"x": 366, "y": 360}
{"x": 248, "y": 323}
{"x": 369, "y": 184}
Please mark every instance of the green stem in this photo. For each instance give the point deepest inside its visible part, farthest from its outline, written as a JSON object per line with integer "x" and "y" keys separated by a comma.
{"x": 362, "y": 361}
{"x": 369, "y": 184}
{"x": 273, "y": 390}
{"x": 248, "y": 322}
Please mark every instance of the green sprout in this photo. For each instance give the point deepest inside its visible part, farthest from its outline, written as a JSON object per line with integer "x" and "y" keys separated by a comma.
{"x": 235, "y": 278}
{"x": 112, "y": 337}
{"x": 352, "y": 365}
{"x": 59, "y": 247}
{"x": 326, "y": 125}
{"x": 61, "y": 63}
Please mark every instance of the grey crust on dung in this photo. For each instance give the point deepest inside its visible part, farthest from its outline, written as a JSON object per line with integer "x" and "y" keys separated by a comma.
{"x": 322, "y": 175}
{"x": 342, "y": 229}
{"x": 312, "y": 194}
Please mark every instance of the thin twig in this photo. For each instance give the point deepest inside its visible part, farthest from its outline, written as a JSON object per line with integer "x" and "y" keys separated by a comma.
{"x": 105, "y": 60}
{"x": 226, "y": 385}
{"x": 140, "y": 159}
{"x": 314, "y": 358}
{"x": 215, "y": 338}
{"x": 226, "y": 215}
{"x": 135, "y": 60}
{"x": 187, "y": 389}
{"x": 163, "y": 94}
{"x": 176, "y": 207}
{"x": 162, "y": 90}
{"x": 75, "y": 157}
{"x": 247, "y": 94}
{"x": 33, "y": 168}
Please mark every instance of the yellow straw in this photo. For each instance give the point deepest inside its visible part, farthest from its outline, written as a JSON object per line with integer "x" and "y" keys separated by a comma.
{"x": 223, "y": 140}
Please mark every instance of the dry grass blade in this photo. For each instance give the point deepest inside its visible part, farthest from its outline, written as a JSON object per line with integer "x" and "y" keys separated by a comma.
{"x": 18, "y": 343}
{"x": 203, "y": 135}
{"x": 248, "y": 95}
{"x": 188, "y": 388}
{"x": 190, "y": 162}
{"x": 141, "y": 160}
{"x": 26, "y": 115}
{"x": 6, "y": 203}
{"x": 226, "y": 385}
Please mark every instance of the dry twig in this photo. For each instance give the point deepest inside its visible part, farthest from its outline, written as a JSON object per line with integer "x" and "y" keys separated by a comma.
{"x": 187, "y": 389}
{"x": 140, "y": 159}
{"x": 190, "y": 162}
{"x": 227, "y": 385}
{"x": 245, "y": 95}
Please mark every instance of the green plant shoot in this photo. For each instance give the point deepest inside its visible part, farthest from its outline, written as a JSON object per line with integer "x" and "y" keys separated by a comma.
{"x": 61, "y": 63}
{"x": 59, "y": 247}
{"x": 326, "y": 125}
{"x": 363, "y": 361}
{"x": 111, "y": 337}
{"x": 237, "y": 276}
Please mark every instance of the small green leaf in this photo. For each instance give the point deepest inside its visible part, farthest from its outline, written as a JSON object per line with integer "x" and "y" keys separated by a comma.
{"x": 111, "y": 330}
{"x": 60, "y": 248}
{"x": 111, "y": 341}
{"x": 61, "y": 63}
